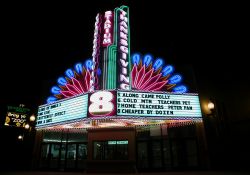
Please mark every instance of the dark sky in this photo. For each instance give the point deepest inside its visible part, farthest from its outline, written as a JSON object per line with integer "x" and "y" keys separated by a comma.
{"x": 41, "y": 40}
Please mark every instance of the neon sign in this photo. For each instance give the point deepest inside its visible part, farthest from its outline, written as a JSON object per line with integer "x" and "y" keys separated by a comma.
{"x": 146, "y": 75}
{"x": 150, "y": 75}
{"x": 77, "y": 81}
{"x": 123, "y": 48}
{"x": 120, "y": 104}
{"x": 16, "y": 116}
{"x": 108, "y": 29}
{"x": 96, "y": 53}
{"x": 62, "y": 111}
{"x": 164, "y": 105}
{"x": 147, "y": 88}
{"x": 102, "y": 103}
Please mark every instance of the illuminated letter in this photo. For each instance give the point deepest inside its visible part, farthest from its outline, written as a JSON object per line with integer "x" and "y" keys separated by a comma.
{"x": 106, "y": 41}
{"x": 124, "y": 49}
{"x": 124, "y": 56}
{"x": 124, "y": 71}
{"x": 107, "y": 35}
{"x": 107, "y": 25}
{"x": 124, "y": 42}
{"x": 123, "y": 63}
{"x": 123, "y": 78}
{"x": 124, "y": 86}
{"x": 123, "y": 36}
{"x": 122, "y": 29}
{"x": 124, "y": 24}
{"x": 101, "y": 103}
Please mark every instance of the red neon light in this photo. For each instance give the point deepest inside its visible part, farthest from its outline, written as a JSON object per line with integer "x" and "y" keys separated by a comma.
{"x": 77, "y": 86}
{"x": 147, "y": 79}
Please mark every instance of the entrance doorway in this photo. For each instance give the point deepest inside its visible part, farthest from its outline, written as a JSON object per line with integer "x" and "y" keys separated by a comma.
{"x": 167, "y": 154}
{"x": 63, "y": 156}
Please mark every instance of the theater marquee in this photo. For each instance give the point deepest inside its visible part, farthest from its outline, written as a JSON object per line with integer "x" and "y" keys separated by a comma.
{"x": 67, "y": 110}
{"x": 116, "y": 88}
{"x": 120, "y": 104}
{"x": 157, "y": 104}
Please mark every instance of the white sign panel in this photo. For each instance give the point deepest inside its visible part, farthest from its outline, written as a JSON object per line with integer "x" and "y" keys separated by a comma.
{"x": 61, "y": 111}
{"x": 158, "y": 105}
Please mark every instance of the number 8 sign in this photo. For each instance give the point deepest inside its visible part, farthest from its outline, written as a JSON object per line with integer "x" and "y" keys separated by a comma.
{"x": 102, "y": 103}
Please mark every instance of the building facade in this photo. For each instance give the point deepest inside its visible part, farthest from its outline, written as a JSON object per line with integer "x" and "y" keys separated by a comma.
{"x": 119, "y": 113}
{"x": 129, "y": 149}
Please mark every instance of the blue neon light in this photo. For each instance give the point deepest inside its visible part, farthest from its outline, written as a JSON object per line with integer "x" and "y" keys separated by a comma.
{"x": 136, "y": 58}
{"x": 99, "y": 72}
{"x": 167, "y": 70}
{"x": 51, "y": 99}
{"x": 147, "y": 59}
{"x": 158, "y": 63}
{"x": 175, "y": 79}
{"x": 55, "y": 90}
{"x": 180, "y": 89}
{"x": 62, "y": 81}
{"x": 88, "y": 64}
{"x": 78, "y": 68}
{"x": 69, "y": 73}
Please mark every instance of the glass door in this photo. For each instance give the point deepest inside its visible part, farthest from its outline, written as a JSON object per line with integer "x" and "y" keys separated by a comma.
{"x": 142, "y": 155}
{"x": 54, "y": 155}
{"x": 62, "y": 155}
{"x": 184, "y": 153}
{"x": 156, "y": 161}
{"x": 166, "y": 154}
{"x": 45, "y": 156}
{"x": 71, "y": 156}
{"x": 82, "y": 155}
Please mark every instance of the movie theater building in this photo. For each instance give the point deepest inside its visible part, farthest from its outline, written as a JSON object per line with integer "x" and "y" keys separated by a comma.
{"x": 119, "y": 112}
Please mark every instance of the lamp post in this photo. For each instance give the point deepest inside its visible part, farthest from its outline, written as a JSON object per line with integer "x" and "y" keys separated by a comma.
{"x": 28, "y": 127}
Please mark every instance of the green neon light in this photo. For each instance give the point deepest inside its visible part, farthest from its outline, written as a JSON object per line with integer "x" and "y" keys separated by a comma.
{"x": 129, "y": 60}
{"x": 111, "y": 67}
{"x": 112, "y": 53}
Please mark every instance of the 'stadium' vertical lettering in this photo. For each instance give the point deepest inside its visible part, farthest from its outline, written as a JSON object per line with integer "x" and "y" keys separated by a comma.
{"x": 107, "y": 36}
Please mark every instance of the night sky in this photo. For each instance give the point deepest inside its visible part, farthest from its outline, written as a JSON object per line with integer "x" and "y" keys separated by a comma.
{"x": 41, "y": 40}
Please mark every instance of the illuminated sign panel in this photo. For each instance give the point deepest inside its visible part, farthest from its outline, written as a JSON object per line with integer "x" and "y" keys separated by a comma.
{"x": 123, "y": 49}
{"x": 102, "y": 103}
{"x": 108, "y": 29}
{"x": 120, "y": 104}
{"x": 62, "y": 111}
{"x": 96, "y": 53}
{"x": 157, "y": 105}
{"x": 16, "y": 116}
{"x": 121, "y": 142}
{"x": 158, "y": 91}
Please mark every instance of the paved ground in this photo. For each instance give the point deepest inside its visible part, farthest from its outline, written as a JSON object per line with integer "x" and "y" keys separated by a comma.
{"x": 156, "y": 173}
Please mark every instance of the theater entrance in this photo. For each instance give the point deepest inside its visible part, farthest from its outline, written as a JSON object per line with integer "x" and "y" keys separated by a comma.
{"x": 111, "y": 150}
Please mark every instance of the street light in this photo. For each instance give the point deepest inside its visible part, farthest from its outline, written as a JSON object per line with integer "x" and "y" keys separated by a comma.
{"x": 210, "y": 105}
{"x": 213, "y": 107}
{"x": 20, "y": 137}
{"x": 32, "y": 118}
{"x": 27, "y": 126}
